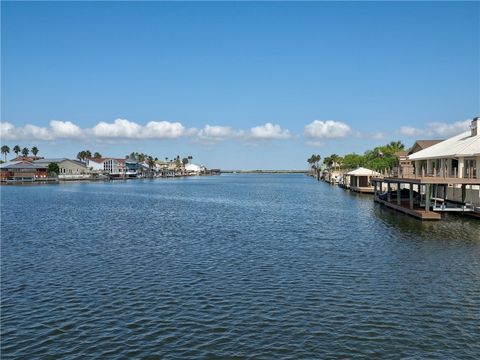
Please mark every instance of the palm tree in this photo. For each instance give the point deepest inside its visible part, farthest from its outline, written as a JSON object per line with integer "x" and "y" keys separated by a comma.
{"x": 88, "y": 154}
{"x": 311, "y": 161}
{"x": 396, "y": 145}
{"x": 5, "y": 151}
{"x": 97, "y": 155}
{"x": 336, "y": 161}
{"x": 25, "y": 151}
{"x": 151, "y": 164}
{"x": 81, "y": 155}
{"x": 34, "y": 151}
{"x": 16, "y": 149}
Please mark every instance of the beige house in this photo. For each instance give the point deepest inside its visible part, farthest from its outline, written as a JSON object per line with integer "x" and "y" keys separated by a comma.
{"x": 67, "y": 167}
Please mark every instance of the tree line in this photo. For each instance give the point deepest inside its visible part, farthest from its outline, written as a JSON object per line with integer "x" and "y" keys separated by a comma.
{"x": 378, "y": 158}
{"x": 17, "y": 150}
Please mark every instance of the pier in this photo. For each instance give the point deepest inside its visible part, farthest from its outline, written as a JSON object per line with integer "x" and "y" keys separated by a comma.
{"x": 426, "y": 197}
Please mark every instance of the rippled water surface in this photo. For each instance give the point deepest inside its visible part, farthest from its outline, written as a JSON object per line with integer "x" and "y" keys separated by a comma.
{"x": 233, "y": 266}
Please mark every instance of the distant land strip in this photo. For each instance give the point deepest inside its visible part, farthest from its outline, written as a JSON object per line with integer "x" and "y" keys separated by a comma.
{"x": 265, "y": 171}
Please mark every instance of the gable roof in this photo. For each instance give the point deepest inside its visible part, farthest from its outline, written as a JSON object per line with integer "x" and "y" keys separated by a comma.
{"x": 462, "y": 145}
{"x": 58, "y": 161}
{"x": 423, "y": 144}
{"x": 49, "y": 160}
{"x": 97, "y": 160}
{"x": 22, "y": 165}
{"x": 27, "y": 158}
{"x": 361, "y": 171}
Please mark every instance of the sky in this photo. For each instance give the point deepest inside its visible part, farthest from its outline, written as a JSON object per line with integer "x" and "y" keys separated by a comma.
{"x": 236, "y": 85}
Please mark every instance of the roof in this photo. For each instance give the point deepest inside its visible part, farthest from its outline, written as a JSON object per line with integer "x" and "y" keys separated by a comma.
{"x": 57, "y": 161}
{"x": 361, "y": 171}
{"x": 51, "y": 160}
{"x": 27, "y": 158}
{"x": 97, "y": 160}
{"x": 21, "y": 165}
{"x": 462, "y": 145}
{"x": 423, "y": 144}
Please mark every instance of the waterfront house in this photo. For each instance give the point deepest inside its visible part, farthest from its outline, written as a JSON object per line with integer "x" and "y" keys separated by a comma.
{"x": 446, "y": 178}
{"x": 132, "y": 167}
{"x": 115, "y": 167}
{"x": 95, "y": 165}
{"x": 109, "y": 166}
{"x": 360, "y": 180}
{"x": 22, "y": 171}
{"x": 193, "y": 169}
{"x": 457, "y": 157}
{"x": 404, "y": 166}
{"x": 68, "y": 169}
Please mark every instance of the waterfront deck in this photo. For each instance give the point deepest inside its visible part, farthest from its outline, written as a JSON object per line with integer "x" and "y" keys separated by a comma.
{"x": 363, "y": 189}
{"x": 440, "y": 180}
{"x": 416, "y": 212}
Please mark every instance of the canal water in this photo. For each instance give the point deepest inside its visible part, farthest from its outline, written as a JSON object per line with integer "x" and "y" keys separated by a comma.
{"x": 232, "y": 266}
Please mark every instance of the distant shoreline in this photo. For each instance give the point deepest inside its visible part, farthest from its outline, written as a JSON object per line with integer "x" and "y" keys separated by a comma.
{"x": 265, "y": 171}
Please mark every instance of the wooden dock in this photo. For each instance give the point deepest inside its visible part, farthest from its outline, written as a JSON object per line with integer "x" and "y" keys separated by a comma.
{"x": 363, "y": 189}
{"x": 417, "y": 212}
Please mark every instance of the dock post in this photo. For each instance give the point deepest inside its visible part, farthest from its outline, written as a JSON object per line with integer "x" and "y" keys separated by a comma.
{"x": 464, "y": 193}
{"x": 388, "y": 192}
{"x": 427, "y": 196}
{"x": 399, "y": 199}
{"x": 410, "y": 194}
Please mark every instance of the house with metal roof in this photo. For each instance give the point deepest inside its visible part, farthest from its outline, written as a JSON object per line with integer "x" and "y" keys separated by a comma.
{"x": 69, "y": 169}
{"x": 446, "y": 178}
{"x": 458, "y": 156}
{"x": 23, "y": 171}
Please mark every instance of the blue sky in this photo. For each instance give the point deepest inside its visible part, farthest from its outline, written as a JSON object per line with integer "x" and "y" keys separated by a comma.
{"x": 236, "y": 85}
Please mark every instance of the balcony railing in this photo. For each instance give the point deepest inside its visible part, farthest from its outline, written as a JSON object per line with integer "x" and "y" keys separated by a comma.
{"x": 469, "y": 173}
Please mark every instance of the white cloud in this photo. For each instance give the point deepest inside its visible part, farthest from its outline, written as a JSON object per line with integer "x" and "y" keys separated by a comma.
{"x": 437, "y": 129}
{"x": 163, "y": 130}
{"x": 126, "y": 129}
{"x": 65, "y": 129}
{"x": 123, "y": 129}
{"x": 329, "y": 129}
{"x": 269, "y": 131}
{"x": 9, "y": 131}
{"x": 120, "y": 128}
{"x": 216, "y": 132}
{"x": 410, "y": 131}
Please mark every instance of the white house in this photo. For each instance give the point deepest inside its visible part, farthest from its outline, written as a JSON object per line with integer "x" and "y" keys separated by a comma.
{"x": 109, "y": 166}
{"x": 193, "y": 168}
{"x": 95, "y": 164}
{"x": 457, "y": 157}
